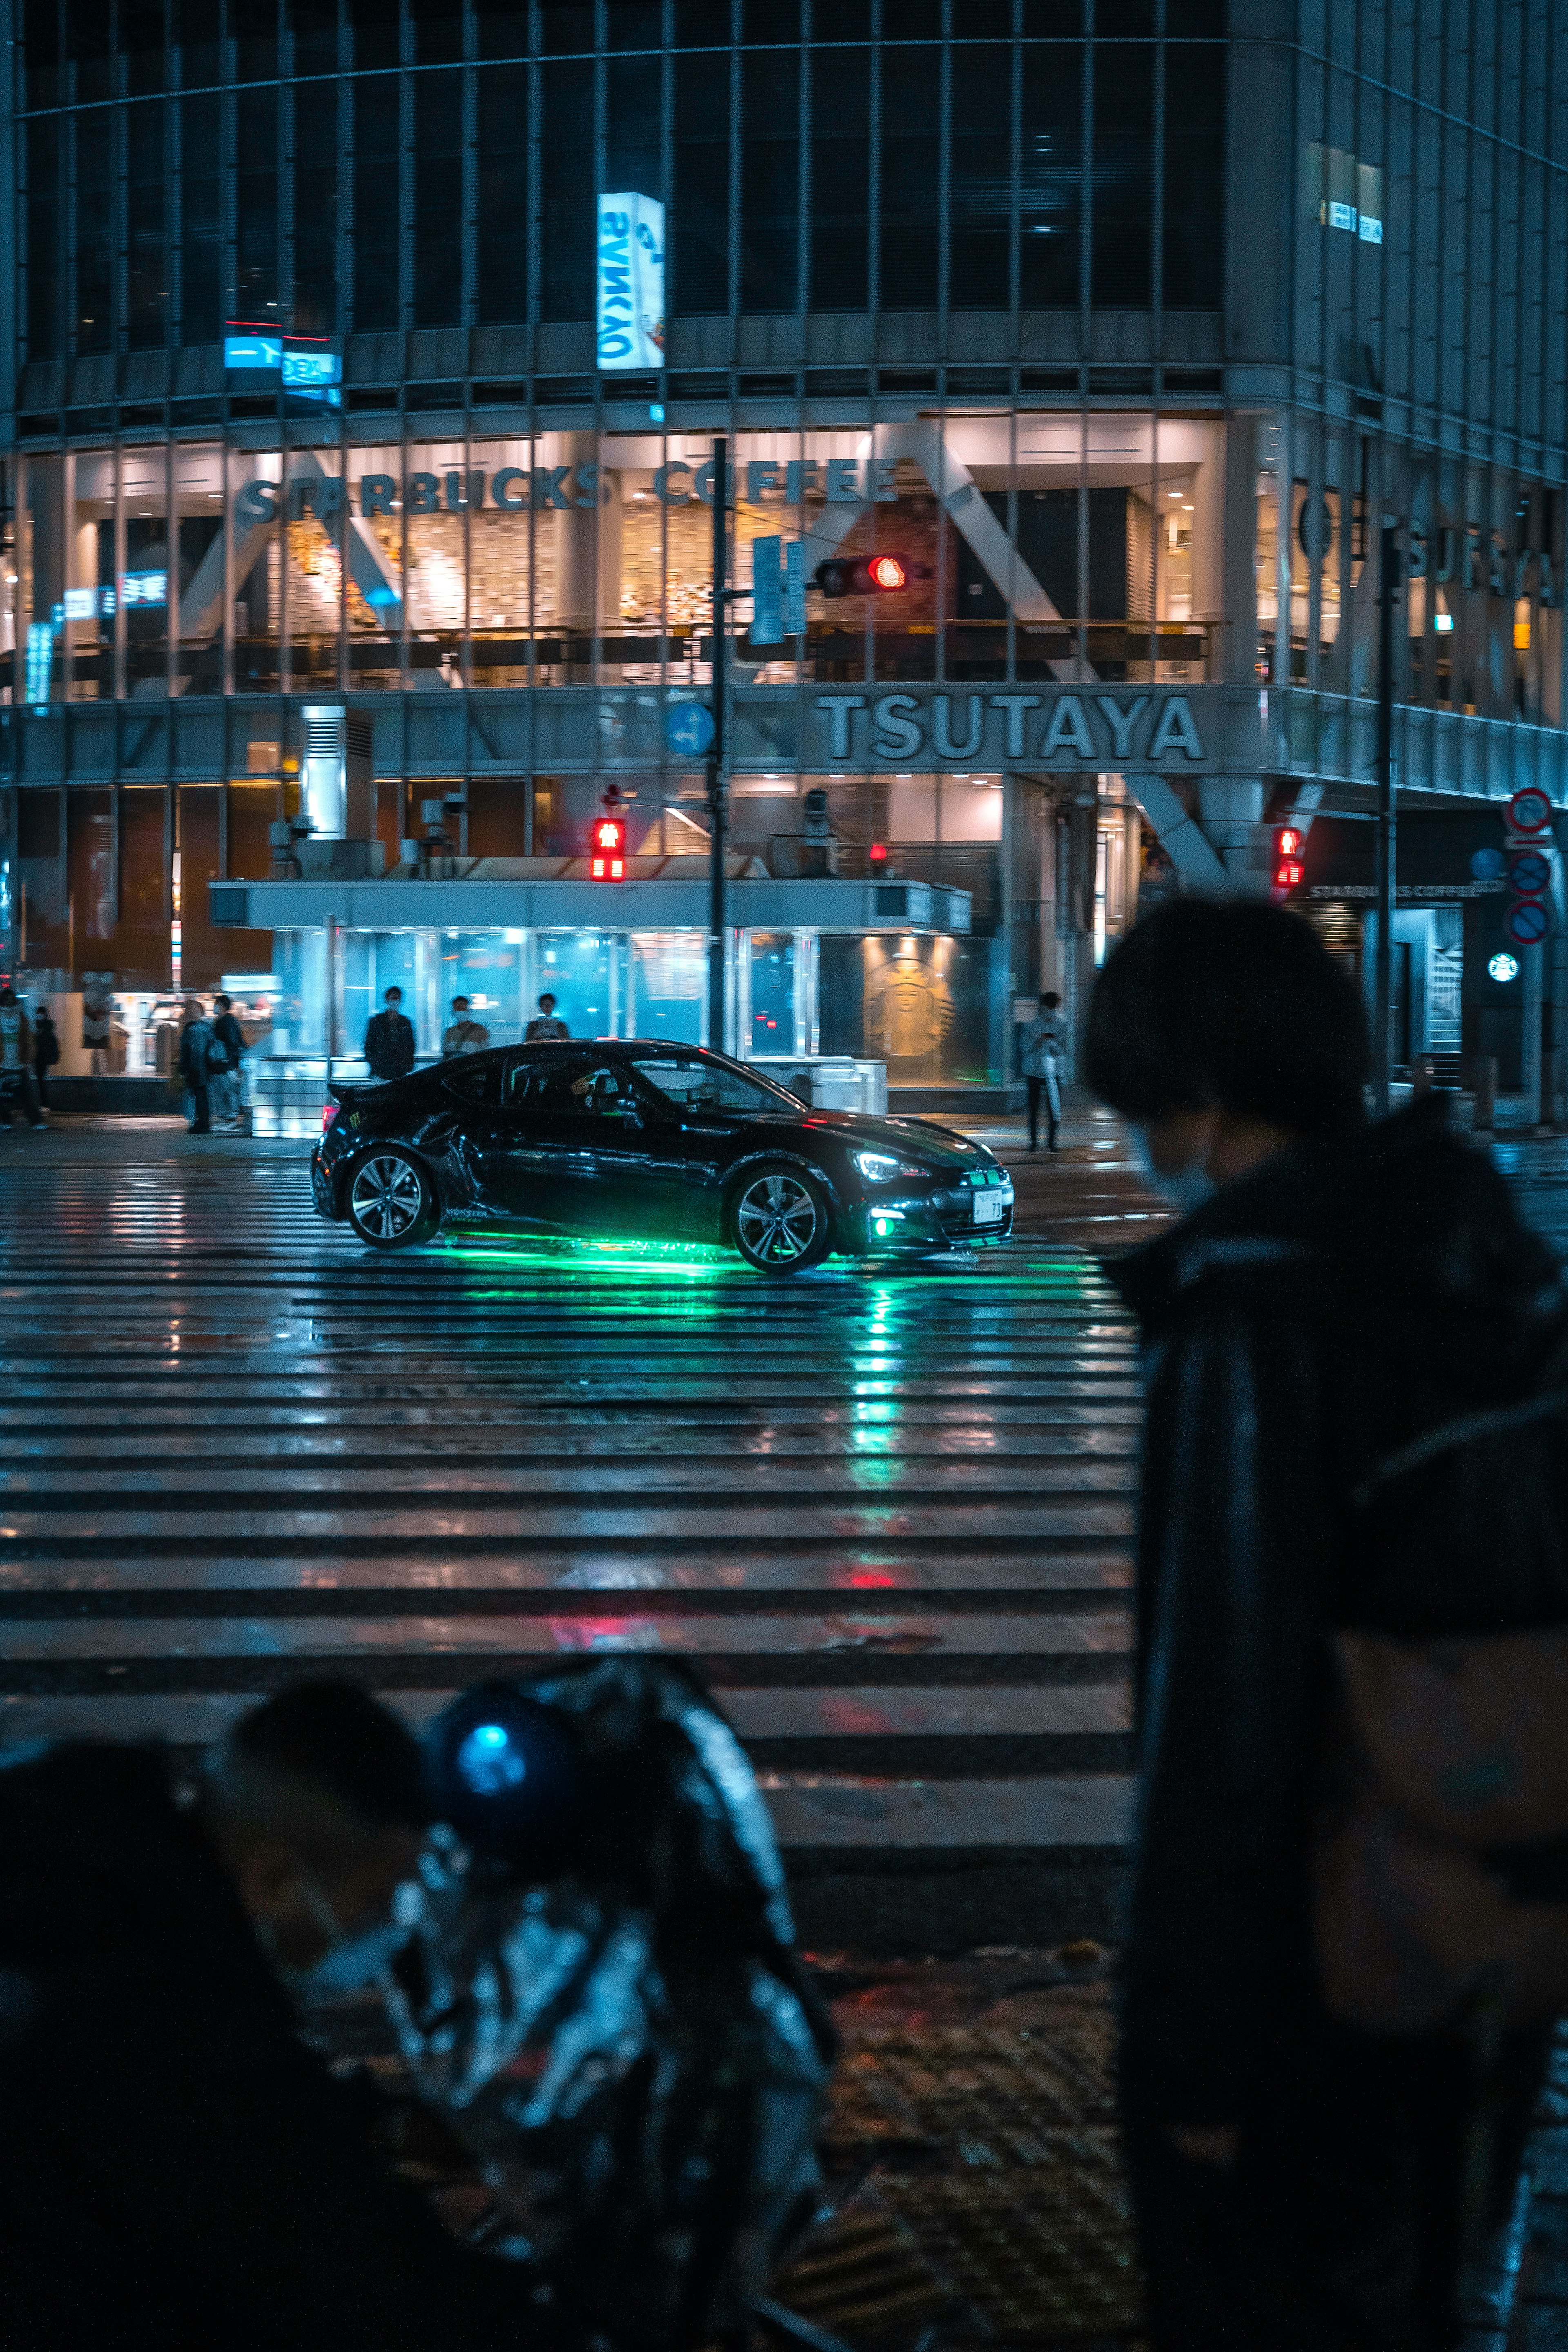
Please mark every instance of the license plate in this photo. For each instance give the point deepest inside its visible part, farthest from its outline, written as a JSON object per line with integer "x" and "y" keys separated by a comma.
{"x": 990, "y": 1208}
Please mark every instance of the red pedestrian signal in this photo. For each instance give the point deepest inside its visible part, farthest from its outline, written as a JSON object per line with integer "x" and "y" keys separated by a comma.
{"x": 609, "y": 849}
{"x": 872, "y": 575}
{"x": 1289, "y": 870}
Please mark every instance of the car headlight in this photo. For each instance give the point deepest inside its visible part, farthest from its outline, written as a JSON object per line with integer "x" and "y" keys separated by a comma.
{"x": 880, "y": 1167}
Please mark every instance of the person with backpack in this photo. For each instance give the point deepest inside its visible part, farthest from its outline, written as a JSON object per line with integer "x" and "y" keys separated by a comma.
{"x": 225, "y": 1048}
{"x": 461, "y": 1035}
{"x": 45, "y": 1051}
{"x": 1348, "y": 1923}
{"x": 197, "y": 1065}
{"x": 597, "y": 1991}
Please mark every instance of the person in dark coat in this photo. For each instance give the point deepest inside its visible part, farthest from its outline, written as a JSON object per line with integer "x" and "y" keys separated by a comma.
{"x": 46, "y": 1050}
{"x": 197, "y": 1065}
{"x": 1335, "y": 1290}
{"x": 223, "y": 1084}
{"x": 389, "y": 1043}
{"x": 176, "y": 2168}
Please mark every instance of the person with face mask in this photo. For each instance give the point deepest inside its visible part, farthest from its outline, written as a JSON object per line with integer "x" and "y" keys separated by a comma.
{"x": 1334, "y": 1291}
{"x": 176, "y": 2167}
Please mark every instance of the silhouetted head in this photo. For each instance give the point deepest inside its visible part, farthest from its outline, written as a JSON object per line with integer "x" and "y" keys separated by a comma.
{"x": 317, "y": 1800}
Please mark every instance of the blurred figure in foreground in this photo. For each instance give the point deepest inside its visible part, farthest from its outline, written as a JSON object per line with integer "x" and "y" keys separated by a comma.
{"x": 175, "y": 2169}
{"x": 1349, "y": 1919}
{"x": 601, "y": 1996}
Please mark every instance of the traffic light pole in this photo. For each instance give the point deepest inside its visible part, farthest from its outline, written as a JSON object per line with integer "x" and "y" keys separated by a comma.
{"x": 718, "y": 813}
{"x": 1388, "y": 827}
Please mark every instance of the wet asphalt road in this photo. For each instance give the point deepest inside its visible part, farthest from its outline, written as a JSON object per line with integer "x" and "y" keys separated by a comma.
{"x": 888, "y": 1513}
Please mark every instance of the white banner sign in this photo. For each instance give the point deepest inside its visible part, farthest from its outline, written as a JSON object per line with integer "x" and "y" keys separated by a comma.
{"x": 629, "y": 267}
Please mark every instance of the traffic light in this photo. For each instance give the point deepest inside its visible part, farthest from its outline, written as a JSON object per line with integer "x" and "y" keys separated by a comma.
{"x": 609, "y": 849}
{"x": 1289, "y": 841}
{"x": 867, "y": 575}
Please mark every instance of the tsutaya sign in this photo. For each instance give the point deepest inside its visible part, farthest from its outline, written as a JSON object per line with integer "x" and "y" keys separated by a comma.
{"x": 1066, "y": 727}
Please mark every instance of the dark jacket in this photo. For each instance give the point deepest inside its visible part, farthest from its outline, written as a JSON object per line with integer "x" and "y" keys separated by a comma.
{"x": 1298, "y": 1328}
{"x": 194, "y": 1067}
{"x": 227, "y": 1033}
{"x": 175, "y": 2169}
{"x": 45, "y": 1041}
{"x": 389, "y": 1045}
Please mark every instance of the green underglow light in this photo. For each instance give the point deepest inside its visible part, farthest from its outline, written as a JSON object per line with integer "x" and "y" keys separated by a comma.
{"x": 696, "y": 1260}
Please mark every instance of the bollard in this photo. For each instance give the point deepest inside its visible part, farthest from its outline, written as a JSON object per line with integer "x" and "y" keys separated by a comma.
{"x": 1423, "y": 1075}
{"x": 1486, "y": 1095}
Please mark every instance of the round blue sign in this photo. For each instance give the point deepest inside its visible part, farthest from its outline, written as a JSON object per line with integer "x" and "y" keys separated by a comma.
{"x": 1488, "y": 864}
{"x": 1526, "y": 924}
{"x": 688, "y": 729}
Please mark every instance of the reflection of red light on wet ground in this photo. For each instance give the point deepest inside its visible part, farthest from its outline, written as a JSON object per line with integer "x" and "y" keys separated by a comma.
{"x": 605, "y": 1634}
{"x": 865, "y": 1580}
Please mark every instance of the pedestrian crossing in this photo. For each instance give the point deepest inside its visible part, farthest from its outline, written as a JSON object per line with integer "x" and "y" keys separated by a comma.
{"x": 888, "y": 1513}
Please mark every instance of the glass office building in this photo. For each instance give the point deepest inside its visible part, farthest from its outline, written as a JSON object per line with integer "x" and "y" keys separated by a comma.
{"x": 326, "y": 428}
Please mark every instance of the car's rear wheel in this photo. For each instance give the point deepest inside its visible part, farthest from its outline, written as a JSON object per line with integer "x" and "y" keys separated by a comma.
{"x": 779, "y": 1220}
{"x": 393, "y": 1202}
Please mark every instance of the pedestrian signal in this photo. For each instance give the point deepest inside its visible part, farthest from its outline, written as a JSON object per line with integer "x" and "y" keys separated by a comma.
{"x": 871, "y": 575}
{"x": 1289, "y": 841}
{"x": 609, "y": 849}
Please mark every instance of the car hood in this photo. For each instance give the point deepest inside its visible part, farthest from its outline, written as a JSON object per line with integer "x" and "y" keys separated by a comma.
{"x": 915, "y": 1139}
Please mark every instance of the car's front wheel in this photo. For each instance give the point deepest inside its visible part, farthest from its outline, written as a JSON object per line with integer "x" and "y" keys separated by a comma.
{"x": 392, "y": 1201}
{"x": 779, "y": 1220}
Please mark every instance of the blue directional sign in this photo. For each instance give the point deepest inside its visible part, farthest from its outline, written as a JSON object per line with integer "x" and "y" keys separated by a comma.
{"x": 688, "y": 729}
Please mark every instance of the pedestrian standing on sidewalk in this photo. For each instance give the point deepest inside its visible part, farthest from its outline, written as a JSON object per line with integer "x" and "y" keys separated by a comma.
{"x": 45, "y": 1051}
{"x": 1041, "y": 1046}
{"x": 1320, "y": 2117}
{"x": 545, "y": 1026}
{"x": 223, "y": 1084}
{"x": 195, "y": 1067}
{"x": 389, "y": 1043}
{"x": 463, "y": 1035}
{"x": 17, "y": 1059}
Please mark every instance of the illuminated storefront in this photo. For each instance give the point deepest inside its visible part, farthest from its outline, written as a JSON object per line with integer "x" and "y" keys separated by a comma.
{"x": 393, "y": 445}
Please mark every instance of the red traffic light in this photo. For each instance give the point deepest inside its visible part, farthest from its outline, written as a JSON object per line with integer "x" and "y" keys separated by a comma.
{"x": 610, "y": 862}
{"x": 872, "y": 575}
{"x": 1290, "y": 871}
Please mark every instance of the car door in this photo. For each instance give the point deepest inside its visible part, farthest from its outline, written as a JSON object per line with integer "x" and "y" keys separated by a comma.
{"x": 700, "y": 1133}
{"x": 574, "y": 1144}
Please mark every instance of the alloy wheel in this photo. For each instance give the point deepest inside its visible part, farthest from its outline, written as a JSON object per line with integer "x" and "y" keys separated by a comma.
{"x": 777, "y": 1220}
{"x": 387, "y": 1199}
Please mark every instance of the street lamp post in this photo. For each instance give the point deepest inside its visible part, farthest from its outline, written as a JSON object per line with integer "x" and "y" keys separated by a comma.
{"x": 718, "y": 813}
{"x": 1387, "y": 823}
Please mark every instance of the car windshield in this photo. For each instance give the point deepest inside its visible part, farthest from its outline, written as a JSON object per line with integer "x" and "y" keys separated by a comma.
{"x": 692, "y": 1084}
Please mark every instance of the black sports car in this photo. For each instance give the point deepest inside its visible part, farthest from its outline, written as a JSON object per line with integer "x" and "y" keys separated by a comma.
{"x": 661, "y": 1142}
